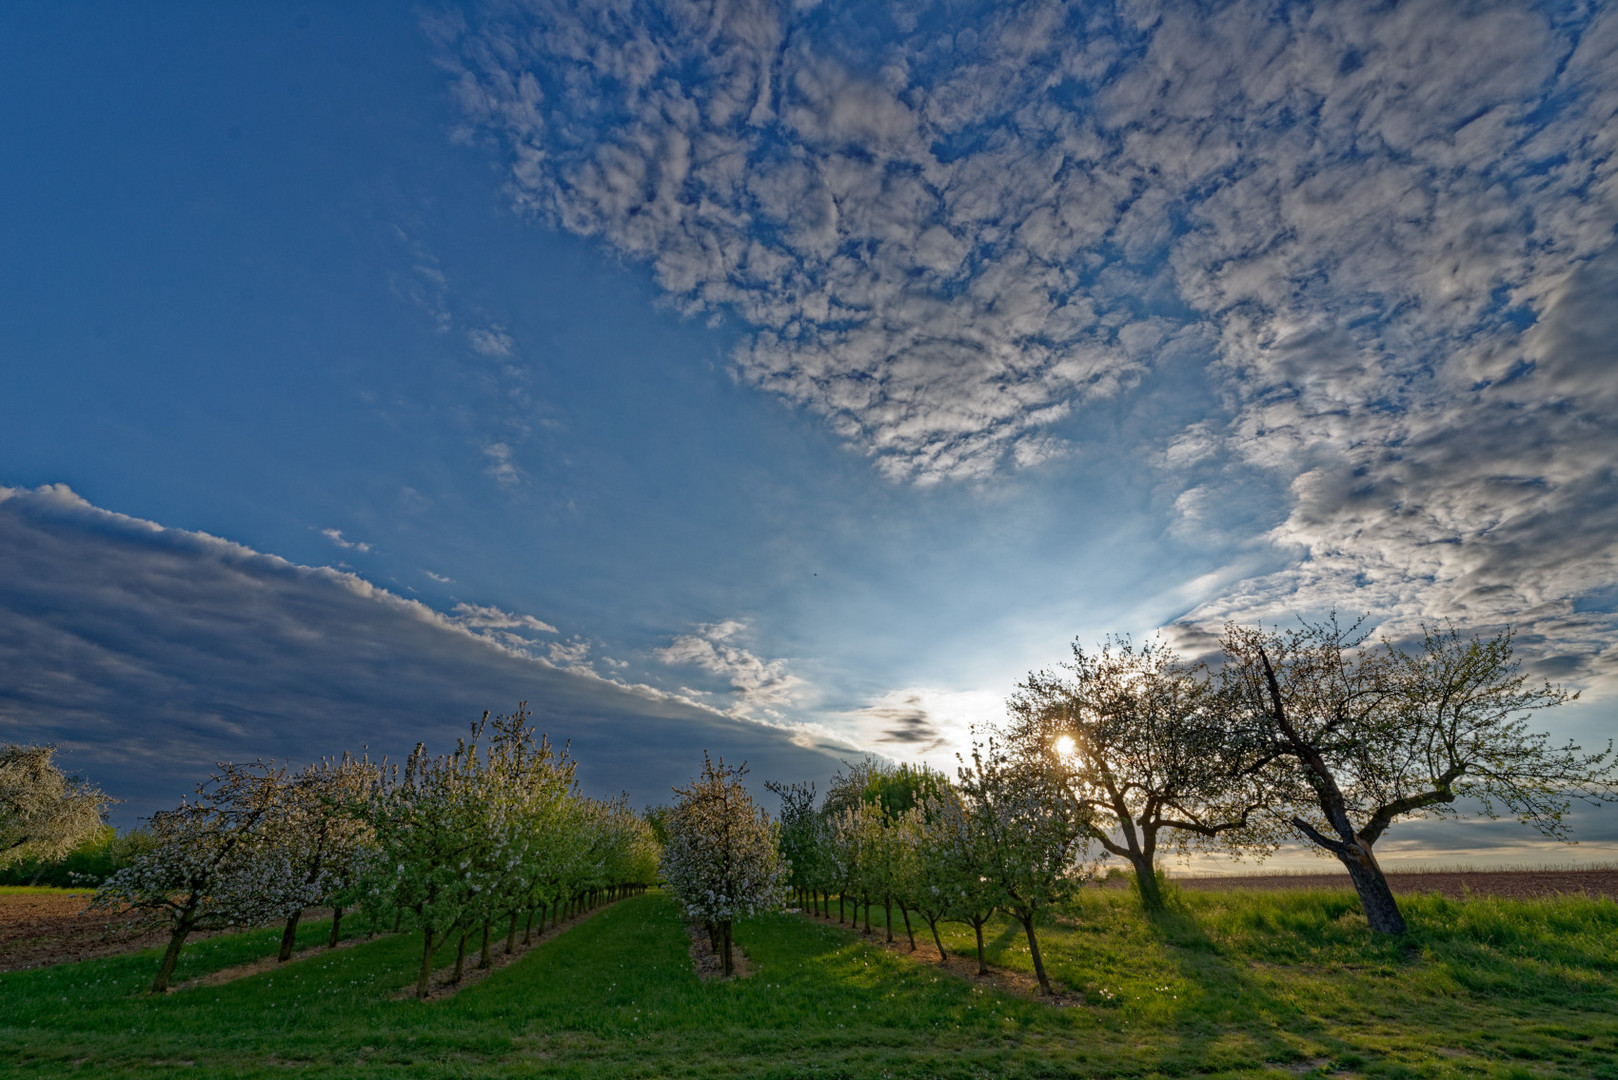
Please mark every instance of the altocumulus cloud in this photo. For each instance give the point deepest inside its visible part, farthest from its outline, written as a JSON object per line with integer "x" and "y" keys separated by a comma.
{"x": 957, "y": 231}
{"x": 150, "y": 653}
{"x": 759, "y": 686}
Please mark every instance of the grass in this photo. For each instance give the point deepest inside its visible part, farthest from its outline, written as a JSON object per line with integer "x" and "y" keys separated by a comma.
{"x": 42, "y": 890}
{"x": 1227, "y": 985}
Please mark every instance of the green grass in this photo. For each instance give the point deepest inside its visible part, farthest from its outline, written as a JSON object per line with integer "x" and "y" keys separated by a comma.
{"x": 1228, "y": 985}
{"x": 42, "y": 890}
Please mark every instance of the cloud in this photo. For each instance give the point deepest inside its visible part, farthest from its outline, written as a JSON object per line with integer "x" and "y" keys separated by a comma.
{"x": 148, "y": 654}
{"x": 491, "y": 341}
{"x": 922, "y": 724}
{"x": 336, "y": 537}
{"x": 501, "y": 466}
{"x": 574, "y": 653}
{"x": 478, "y": 617}
{"x": 1386, "y": 236}
{"x": 440, "y": 578}
{"x": 1488, "y": 503}
{"x": 764, "y": 686}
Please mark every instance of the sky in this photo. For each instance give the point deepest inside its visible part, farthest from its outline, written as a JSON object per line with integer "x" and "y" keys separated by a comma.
{"x": 785, "y": 380}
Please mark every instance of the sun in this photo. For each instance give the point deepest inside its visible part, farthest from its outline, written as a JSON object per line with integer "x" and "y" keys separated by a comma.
{"x": 1065, "y": 746}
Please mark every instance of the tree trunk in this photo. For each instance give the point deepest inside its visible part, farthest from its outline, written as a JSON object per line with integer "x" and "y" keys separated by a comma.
{"x": 528, "y": 934}
{"x": 511, "y": 935}
{"x": 724, "y": 938}
{"x": 1151, "y": 897}
{"x": 336, "y": 924}
{"x": 1376, "y": 899}
{"x": 460, "y": 959}
{"x": 1033, "y": 950}
{"x": 933, "y": 924}
{"x": 289, "y": 938}
{"x": 983, "y": 966}
{"x": 867, "y": 899}
{"x": 171, "y": 956}
{"x": 887, "y": 917}
{"x": 1354, "y": 851}
{"x": 912, "y": 934}
{"x": 839, "y": 909}
{"x": 483, "y": 953}
{"x": 398, "y": 920}
{"x": 425, "y": 978}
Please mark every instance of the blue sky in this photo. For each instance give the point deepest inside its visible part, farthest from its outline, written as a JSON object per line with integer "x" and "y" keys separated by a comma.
{"x": 786, "y": 381}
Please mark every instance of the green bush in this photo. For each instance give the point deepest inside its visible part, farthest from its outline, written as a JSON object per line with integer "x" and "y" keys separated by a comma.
{"x": 85, "y": 867}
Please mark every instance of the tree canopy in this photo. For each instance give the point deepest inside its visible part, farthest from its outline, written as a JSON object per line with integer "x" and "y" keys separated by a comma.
{"x": 1348, "y": 738}
{"x": 44, "y": 814}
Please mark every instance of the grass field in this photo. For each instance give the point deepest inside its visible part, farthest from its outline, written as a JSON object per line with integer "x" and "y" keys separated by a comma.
{"x": 1230, "y": 984}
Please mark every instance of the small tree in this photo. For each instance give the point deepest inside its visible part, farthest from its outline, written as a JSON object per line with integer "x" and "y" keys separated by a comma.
{"x": 1350, "y": 738}
{"x": 802, "y": 838}
{"x": 1138, "y": 745}
{"x": 431, "y": 829}
{"x": 960, "y": 863}
{"x": 930, "y": 870}
{"x": 319, "y": 829}
{"x": 1032, "y": 846}
{"x": 722, "y": 860}
{"x": 210, "y": 864}
{"x": 44, "y": 814}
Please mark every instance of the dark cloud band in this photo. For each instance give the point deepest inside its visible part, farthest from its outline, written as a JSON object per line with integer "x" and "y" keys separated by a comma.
{"x": 148, "y": 654}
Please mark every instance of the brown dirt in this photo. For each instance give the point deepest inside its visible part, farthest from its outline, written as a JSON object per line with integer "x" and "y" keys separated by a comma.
{"x": 1455, "y": 884}
{"x": 709, "y": 964}
{"x": 961, "y": 965}
{"x": 40, "y": 929}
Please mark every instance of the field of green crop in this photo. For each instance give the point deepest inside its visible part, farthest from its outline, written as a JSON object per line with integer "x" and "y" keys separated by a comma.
{"x": 1228, "y": 985}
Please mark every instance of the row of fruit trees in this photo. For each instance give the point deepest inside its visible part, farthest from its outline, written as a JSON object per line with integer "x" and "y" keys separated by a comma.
{"x": 463, "y": 847}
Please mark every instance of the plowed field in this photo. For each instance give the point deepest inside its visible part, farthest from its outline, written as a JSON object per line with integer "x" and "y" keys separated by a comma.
{"x": 52, "y": 928}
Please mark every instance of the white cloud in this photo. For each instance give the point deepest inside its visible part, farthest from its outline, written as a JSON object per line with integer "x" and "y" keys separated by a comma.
{"x": 336, "y": 537}
{"x": 501, "y": 466}
{"x": 440, "y": 578}
{"x": 491, "y": 341}
{"x": 952, "y": 245}
{"x": 757, "y": 684}
{"x": 574, "y": 653}
{"x": 488, "y": 617}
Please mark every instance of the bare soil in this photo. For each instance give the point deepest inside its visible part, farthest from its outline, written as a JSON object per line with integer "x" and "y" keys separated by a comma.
{"x": 40, "y": 929}
{"x": 1455, "y": 884}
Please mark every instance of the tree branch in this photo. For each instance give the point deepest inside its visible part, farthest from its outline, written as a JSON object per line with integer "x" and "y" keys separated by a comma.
{"x": 1336, "y": 847}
